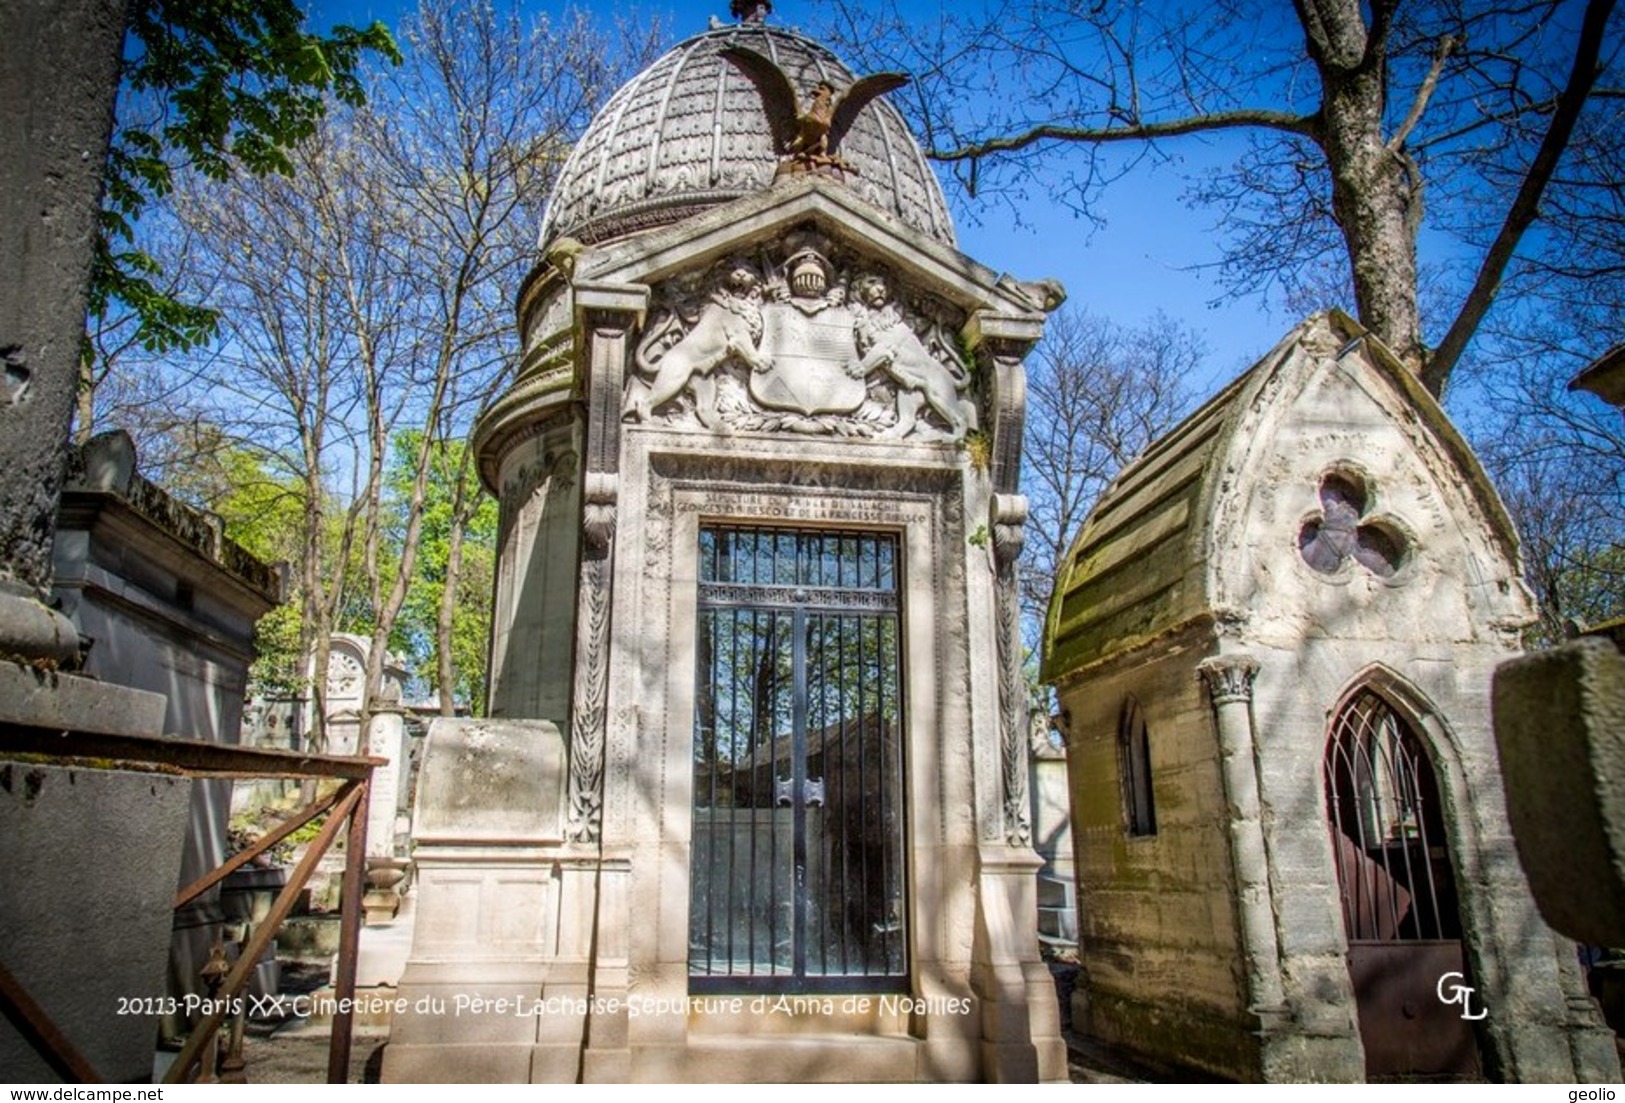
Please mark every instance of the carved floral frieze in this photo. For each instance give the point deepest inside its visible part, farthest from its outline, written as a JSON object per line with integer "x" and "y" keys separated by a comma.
{"x": 812, "y": 342}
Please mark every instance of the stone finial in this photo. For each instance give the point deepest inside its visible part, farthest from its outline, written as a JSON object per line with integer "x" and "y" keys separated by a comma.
{"x": 1229, "y": 678}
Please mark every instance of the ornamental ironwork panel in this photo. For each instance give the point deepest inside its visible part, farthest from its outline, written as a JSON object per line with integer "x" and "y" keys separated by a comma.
{"x": 1388, "y": 839}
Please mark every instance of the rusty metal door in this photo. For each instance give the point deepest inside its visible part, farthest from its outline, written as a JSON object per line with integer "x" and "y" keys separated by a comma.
{"x": 1400, "y": 908}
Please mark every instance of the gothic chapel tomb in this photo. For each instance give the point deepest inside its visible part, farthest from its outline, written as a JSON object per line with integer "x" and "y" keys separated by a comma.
{"x": 1272, "y": 645}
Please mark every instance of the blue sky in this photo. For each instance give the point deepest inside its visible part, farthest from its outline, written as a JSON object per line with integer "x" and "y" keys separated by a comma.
{"x": 1143, "y": 259}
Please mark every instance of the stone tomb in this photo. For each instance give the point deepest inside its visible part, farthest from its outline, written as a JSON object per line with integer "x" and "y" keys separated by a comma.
{"x": 752, "y": 804}
{"x": 1273, "y": 643}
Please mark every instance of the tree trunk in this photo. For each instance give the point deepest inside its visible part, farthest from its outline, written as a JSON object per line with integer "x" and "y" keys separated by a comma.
{"x": 315, "y": 628}
{"x": 1377, "y": 202}
{"x": 445, "y": 669}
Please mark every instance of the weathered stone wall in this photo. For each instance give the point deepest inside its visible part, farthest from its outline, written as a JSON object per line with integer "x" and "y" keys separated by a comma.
{"x": 88, "y": 866}
{"x": 1423, "y": 623}
{"x": 533, "y": 634}
{"x": 169, "y": 606}
{"x": 1157, "y": 936}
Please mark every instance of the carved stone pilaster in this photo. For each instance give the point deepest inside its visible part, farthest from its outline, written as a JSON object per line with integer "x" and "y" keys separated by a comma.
{"x": 1229, "y": 678}
{"x": 1229, "y": 681}
{"x": 606, "y": 314}
{"x": 587, "y": 717}
{"x": 1000, "y": 342}
{"x": 1007, "y": 518}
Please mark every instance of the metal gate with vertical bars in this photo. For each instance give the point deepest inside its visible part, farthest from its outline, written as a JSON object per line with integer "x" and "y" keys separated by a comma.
{"x": 797, "y": 873}
{"x": 1399, "y": 897}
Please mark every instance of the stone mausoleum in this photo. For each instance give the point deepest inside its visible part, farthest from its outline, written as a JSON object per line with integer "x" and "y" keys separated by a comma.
{"x": 752, "y": 802}
{"x": 1272, "y": 644}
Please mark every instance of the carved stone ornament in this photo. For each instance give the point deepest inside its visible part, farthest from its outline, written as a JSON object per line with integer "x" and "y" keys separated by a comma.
{"x": 598, "y": 512}
{"x": 343, "y": 675}
{"x": 587, "y": 719}
{"x": 1008, "y": 514}
{"x": 1229, "y": 678}
{"x": 808, "y": 136}
{"x": 802, "y": 345}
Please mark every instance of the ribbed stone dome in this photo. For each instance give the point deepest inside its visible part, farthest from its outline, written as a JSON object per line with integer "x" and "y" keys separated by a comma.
{"x": 690, "y": 132}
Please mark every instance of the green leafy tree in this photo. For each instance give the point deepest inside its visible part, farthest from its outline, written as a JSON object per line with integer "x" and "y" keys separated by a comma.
{"x": 367, "y": 298}
{"x": 212, "y": 86}
{"x": 445, "y": 624}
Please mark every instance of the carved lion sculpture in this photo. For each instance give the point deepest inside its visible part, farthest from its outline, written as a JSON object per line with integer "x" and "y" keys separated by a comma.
{"x": 888, "y": 343}
{"x": 728, "y": 327}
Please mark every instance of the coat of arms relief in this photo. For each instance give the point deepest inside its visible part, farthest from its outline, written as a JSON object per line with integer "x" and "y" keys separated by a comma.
{"x": 803, "y": 345}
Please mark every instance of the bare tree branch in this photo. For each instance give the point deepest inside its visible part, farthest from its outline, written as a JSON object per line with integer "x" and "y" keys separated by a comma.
{"x": 1220, "y": 120}
{"x": 1526, "y": 207}
{"x": 1419, "y": 104}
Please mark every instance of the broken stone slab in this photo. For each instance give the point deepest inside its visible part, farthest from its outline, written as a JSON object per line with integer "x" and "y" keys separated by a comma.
{"x": 1560, "y": 726}
{"x": 47, "y": 699}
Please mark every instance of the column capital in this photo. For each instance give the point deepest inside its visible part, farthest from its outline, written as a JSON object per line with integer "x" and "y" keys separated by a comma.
{"x": 1229, "y": 678}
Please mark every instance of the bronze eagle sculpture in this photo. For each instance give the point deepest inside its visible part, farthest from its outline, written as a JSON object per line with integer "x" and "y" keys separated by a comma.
{"x": 809, "y": 138}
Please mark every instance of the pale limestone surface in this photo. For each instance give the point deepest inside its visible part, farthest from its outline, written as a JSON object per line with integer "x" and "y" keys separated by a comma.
{"x": 700, "y": 373}
{"x": 386, "y": 739}
{"x": 1219, "y": 940}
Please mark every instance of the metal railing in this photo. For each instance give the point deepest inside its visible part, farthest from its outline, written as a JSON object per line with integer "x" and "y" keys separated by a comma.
{"x": 346, "y": 808}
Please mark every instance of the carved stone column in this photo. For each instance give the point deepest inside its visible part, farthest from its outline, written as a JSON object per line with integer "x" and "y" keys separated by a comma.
{"x": 1229, "y": 681}
{"x": 59, "y": 65}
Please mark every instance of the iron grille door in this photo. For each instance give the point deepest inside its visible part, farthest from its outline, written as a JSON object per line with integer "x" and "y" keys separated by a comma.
{"x": 798, "y": 861}
{"x": 1398, "y": 893}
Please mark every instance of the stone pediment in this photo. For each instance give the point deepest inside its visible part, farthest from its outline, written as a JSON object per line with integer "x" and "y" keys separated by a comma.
{"x": 803, "y": 310}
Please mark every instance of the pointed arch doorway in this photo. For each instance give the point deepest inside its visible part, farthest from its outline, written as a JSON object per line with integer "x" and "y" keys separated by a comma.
{"x": 1400, "y": 906}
